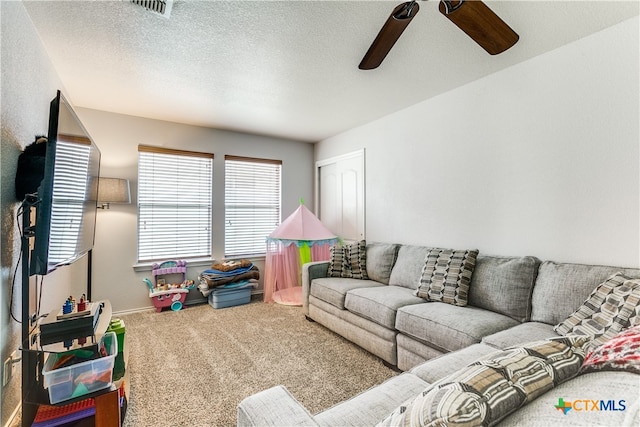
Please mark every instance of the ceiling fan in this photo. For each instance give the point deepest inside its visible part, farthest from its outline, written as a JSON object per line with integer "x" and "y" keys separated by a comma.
{"x": 471, "y": 16}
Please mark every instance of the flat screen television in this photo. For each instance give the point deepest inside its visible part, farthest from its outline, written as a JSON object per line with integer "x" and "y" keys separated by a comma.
{"x": 67, "y": 196}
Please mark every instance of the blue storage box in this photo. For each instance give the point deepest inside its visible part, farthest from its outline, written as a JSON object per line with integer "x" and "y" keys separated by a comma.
{"x": 229, "y": 297}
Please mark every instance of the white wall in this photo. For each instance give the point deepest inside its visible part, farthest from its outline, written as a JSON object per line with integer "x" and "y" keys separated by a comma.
{"x": 539, "y": 159}
{"x": 29, "y": 82}
{"x": 118, "y": 137}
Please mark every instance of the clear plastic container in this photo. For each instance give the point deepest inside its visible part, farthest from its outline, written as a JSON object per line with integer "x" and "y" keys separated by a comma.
{"x": 81, "y": 378}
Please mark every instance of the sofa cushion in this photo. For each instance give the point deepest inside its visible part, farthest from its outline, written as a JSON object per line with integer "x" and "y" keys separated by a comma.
{"x": 449, "y": 327}
{"x": 350, "y": 325}
{"x": 620, "y": 353}
{"x": 412, "y": 352}
{"x": 348, "y": 261}
{"x": 380, "y": 304}
{"x": 439, "y": 367}
{"x": 611, "y": 388}
{"x": 607, "y": 310}
{"x": 446, "y": 275}
{"x": 369, "y": 407}
{"x": 407, "y": 270}
{"x": 259, "y": 410}
{"x": 372, "y": 337}
{"x": 504, "y": 285}
{"x": 334, "y": 290}
{"x": 488, "y": 390}
{"x": 560, "y": 288}
{"x": 523, "y": 333}
{"x": 380, "y": 260}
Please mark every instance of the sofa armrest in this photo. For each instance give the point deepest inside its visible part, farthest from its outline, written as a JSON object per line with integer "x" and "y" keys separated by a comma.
{"x": 273, "y": 407}
{"x": 310, "y": 271}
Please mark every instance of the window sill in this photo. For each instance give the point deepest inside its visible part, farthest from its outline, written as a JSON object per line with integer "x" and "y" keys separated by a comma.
{"x": 192, "y": 262}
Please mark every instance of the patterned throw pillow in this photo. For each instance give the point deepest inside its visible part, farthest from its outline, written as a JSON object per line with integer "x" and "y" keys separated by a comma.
{"x": 486, "y": 391}
{"x": 611, "y": 307}
{"x": 349, "y": 261}
{"x": 620, "y": 353}
{"x": 336, "y": 260}
{"x": 446, "y": 275}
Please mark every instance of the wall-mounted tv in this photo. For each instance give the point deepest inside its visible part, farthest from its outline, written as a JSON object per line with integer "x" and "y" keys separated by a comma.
{"x": 67, "y": 196}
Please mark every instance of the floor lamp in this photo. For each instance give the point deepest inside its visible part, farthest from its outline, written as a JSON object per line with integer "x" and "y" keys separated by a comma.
{"x": 110, "y": 190}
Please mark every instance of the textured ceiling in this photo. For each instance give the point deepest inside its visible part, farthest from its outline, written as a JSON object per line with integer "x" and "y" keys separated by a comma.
{"x": 285, "y": 69}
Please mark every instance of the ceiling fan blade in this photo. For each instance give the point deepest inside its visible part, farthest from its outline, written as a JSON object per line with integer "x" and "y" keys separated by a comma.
{"x": 389, "y": 34}
{"x": 481, "y": 24}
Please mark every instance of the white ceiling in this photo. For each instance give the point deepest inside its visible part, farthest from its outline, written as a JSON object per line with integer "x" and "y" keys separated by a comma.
{"x": 284, "y": 68}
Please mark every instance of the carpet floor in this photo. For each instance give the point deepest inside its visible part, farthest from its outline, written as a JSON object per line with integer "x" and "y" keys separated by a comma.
{"x": 192, "y": 367}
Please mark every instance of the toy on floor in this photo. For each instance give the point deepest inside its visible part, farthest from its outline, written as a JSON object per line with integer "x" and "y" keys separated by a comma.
{"x": 165, "y": 294}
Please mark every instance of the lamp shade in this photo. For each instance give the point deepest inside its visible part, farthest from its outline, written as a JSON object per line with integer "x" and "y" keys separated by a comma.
{"x": 113, "y": 190}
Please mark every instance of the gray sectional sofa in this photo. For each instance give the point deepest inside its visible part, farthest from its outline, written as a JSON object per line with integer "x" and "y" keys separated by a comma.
{"x": 511, "y": 301}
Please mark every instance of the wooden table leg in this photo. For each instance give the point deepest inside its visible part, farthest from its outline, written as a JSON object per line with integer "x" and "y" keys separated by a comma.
{"x": 108, "y": 409}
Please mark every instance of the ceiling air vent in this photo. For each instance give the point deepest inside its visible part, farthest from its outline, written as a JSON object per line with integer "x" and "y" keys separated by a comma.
{"x": 161, "y": 7}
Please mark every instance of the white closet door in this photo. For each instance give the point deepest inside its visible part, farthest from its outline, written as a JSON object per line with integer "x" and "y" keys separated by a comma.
{"x": 340, "y": 195}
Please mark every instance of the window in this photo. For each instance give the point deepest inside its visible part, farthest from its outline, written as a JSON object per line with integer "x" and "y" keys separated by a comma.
{"x": 252, "y": 204}
{"x": 69, "y": 194}
{"x": 174, "y": 204}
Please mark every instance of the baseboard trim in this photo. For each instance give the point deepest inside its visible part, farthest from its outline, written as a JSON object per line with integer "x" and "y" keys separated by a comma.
{"x": 133, "y": 310}
{"x": 256, "y": 294}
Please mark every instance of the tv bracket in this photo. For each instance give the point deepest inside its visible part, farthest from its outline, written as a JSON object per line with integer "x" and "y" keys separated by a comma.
{"x": 30, "y": 201}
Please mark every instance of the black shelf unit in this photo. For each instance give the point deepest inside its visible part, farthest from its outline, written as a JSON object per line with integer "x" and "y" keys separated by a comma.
{"x": 33, "y": 351}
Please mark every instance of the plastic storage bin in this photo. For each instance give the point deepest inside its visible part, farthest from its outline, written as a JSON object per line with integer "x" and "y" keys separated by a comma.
{"x": 82, "y": 378}
{"x": 222, "y": 298}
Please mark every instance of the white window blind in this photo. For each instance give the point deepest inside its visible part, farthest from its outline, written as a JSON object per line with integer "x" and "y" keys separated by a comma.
{"x": 252, "y": 204}
{"x": 174, "y": 204}
{"x": 69, "y": 195}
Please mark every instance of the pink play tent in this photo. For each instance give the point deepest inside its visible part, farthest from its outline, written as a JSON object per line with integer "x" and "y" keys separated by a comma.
{"x": 299, "y": 239}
